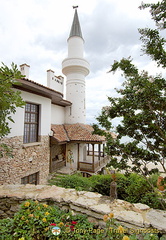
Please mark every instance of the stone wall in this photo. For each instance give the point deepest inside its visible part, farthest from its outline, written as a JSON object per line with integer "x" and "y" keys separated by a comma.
{"x": 132, "y": 216}
{"x": 27, "y": 159}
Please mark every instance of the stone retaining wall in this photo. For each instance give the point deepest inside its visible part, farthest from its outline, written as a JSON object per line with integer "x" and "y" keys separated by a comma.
{"x": 133, "y": 216}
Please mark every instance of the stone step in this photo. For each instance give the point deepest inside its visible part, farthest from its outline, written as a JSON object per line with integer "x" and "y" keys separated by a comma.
{"x": 56, "y": 178}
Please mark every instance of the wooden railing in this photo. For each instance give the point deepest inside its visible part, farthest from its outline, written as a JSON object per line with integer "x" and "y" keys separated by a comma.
{"x": 85, "y": 166}
{"x": 90, "y": 167}
{"x": 96, "y": 153}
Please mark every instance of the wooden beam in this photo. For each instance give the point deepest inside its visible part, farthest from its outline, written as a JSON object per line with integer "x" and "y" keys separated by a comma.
{"x": 50, "y": 162}
{"x": 103, "y": 150}
{"x": 93, "y": 156}
{"x": 99, "y": 152}
{"x": 78, "y": 158}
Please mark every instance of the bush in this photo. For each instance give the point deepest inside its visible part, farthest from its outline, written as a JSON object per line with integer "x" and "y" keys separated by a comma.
{"x": 6, "y": 228}
{"x": 153, "y": 201}
{"x": 132, "y": 187}
{"x": 153, "y": 179}
{"x": 101, "y": 184}
{"x": 136, "y": 188}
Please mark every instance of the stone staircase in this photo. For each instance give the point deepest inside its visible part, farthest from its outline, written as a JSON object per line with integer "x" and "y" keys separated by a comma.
{"x": 56, "y": 177}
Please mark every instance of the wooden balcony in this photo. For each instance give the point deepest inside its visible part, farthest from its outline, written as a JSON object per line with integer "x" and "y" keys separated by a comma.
{"x": 93, "y": 166}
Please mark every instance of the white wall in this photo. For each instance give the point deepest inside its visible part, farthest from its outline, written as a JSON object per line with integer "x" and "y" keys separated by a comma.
{"x": 73, "y": 147}
{"x": 17, "y": 128}
{"x": 75, "y": 47}
{"x": 57, "y": 114}
{"x": 45, "y": 115}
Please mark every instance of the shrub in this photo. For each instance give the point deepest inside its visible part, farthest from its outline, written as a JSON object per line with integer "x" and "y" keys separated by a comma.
{"x": 101, "y": 184}
{"x": 153, "y": 201}
{"x": 132, "y": 187}
{"x": 136, "y": 188}
{"x": 153, "y": 179}
{"x": 6, "y": 228}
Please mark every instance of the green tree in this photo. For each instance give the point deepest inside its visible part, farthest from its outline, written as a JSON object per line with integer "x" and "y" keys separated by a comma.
{"x": 140, "y": 105}
{"x": 10, "y": 99}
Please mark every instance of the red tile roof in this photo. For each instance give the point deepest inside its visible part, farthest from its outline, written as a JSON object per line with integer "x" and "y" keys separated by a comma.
{"x": 59, "y": 133}
{"x": 75, "y": 132}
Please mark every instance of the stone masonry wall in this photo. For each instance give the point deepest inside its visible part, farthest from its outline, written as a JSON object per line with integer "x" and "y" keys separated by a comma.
{"x": 27, "y": 159}
{"x": 132, "y": 216}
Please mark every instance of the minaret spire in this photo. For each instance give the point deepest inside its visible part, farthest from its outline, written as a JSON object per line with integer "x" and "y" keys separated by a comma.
{"x": 76, "y": 28}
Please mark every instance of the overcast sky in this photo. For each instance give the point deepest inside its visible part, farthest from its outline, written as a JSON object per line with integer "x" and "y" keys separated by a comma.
{"x": 36, "y": 31}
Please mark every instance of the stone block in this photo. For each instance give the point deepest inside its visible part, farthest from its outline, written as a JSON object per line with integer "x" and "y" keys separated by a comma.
{"x": 141, "y": 206}
{"x": 14, "y": 208}
{"x": 101, "y": 208}
{"x": 157, "y": 219}
{"x": 130, "y": 216}
{"x": 92, "y": 195}
{"x": 84, "y": 202}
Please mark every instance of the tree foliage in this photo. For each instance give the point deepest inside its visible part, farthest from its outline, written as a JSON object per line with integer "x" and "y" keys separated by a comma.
{"x": 141, "y": 106}
{"x": 153, "y": 42}
{"x": 10, "y": 99}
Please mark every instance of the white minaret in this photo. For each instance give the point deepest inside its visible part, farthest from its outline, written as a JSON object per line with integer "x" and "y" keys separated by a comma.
{"x": 75, "y": 68}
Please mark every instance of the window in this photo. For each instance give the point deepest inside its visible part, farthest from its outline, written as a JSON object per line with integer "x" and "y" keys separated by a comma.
{"x": 31, "y": 179}
{"x": 31, "y": 123}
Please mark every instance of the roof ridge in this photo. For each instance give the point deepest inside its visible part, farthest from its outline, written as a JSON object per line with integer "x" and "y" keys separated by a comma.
{"x": 66, "y": 131}
{"x": 61, "y": 125}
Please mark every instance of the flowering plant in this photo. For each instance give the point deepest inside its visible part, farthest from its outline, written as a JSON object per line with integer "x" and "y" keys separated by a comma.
{"x": 36, "y": 221}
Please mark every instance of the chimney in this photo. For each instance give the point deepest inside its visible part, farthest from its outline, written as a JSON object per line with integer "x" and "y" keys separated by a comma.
{"x": 50, "y": 77}
{"x": 24, "y": 68}
{"x": 54, "y": 82}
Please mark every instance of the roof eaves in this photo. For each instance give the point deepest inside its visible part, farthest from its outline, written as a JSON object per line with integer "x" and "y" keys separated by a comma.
{"x": 39, "y": 89}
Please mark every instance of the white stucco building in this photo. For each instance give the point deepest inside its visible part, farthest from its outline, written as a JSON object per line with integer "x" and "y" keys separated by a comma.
{"x": 50, "y": 133}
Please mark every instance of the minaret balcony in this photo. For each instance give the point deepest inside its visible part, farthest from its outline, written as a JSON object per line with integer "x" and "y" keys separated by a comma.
{"x": 70, "y": 65}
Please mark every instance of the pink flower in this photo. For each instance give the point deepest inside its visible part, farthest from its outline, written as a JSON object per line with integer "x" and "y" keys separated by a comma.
{"x": 72, "y": 228}
{"x": 73, "y": 222}
{"x": 53, "y": 224}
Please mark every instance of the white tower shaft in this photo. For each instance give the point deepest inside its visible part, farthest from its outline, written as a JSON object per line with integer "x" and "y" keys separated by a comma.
{"x": 75, "y": 68}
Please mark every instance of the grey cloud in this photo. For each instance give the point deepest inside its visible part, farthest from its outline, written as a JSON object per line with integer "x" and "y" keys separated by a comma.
{"x": 110, "y": 34}
{"x": 50, "y": 42}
